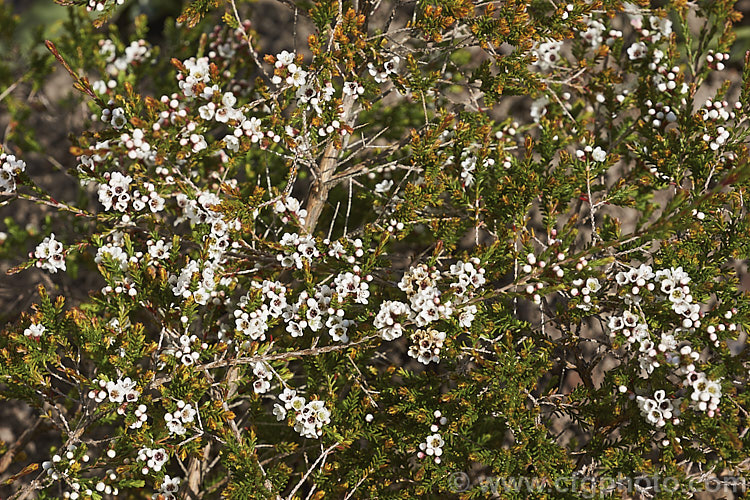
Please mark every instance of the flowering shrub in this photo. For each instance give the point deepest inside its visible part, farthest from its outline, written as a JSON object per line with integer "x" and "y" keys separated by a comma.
{"x": 356, "y": 266}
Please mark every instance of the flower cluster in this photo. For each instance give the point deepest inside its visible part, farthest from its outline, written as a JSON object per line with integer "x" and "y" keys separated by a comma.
{"x": 426, "y": 345}
{"x": 389, "y": 320}
{"x": 287, "y": 71}
{"x": 264, "y": 376}
{"x": 594, "y": 34}
{"x": 115, "y": 195}
{"x": 668, "y": 348}
{"x": 136, "y": 53}
{"x": 389, "y": 68}
{"x": 468, "y": 166}
{"x": 659, "y": 410}
{"x": 176, "y": 421}
{"x": 253, "y": 323}
{"x": 433, "y": 444}
{"x": 420, "y": 285}
{"x": 350, "y": 284}
{"x": 313, "y": 95}
{"x": 586, "y": 289}
{"x": 63, "y": 465}
{"x": 469, "y": 278}
{"x": 185, "y": 349}
{"x": 99, "y": 5}
{"x": 299, "y": 249}
{"x": 673, "y": 283}
{"x": 35, "y": 330}
{"x": 426, "y": 306}
{"x": 314, "y": 313}
{"x": 10, "y": 167}
{"x": 181, "y": 284}
{"x": 198, "y": 71}
{"x": 169, "y": 486}
{"x": 716, "y": 60}
{"x": 706, "y": 394}
{"x": 597, "y": 154}
{"x": 309, "y": 417}
{"x": 122, "y": 391}
{"x": 653, "y": 29}
{"x": 292, "y": 207}
{"x": 433, "y": 447}
{"x": 50, "y": 255}
{"x": 140, "y": 415}
{"x": 154, "y": 459}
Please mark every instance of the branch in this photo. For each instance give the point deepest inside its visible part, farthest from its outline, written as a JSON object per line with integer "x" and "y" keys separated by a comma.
{"x": 324, "y": 172}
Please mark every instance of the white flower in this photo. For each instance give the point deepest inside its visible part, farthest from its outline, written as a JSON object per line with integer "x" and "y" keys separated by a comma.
{"x": 351, "y": 284}
{"x": 10, "y": 167}
{"x": 637, "y": 51}
{"x": 296, "y": 403}
{"x": 187, "y": 414}
{"x": 50, "y": 254}
{"x": 466, "y": 316}
{"x": 426, "y": 345}
{"x": 118, "y": 119}
{"x": 286, "y": 397}
{"x": 34, "y": 330}
{"x": 261, "y": 386}
{"x": 116, "y": 392}
{"x": 384, "y": 186}
{"x": 279, "y": 412}
{"x": 434, "y": 443}
{"x": 592, "y": 285}
{"x": 353, "y": 89}
{"x": 615, "y": 323}
{"x": 297, "y": 75}
{"x": 284, "y": 58}
{"x": 599, "y": 154}
{"x": 229, "y": 100}
{"x": 388, "y": 319}
{"x": 174, "y": 425}
{"x": 169, "y": 486}
{"x": 207, "y": 111}
{"x": 547, "y": 54}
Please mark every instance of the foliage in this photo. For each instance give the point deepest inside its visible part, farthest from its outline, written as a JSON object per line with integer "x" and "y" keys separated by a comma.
{"x": 492, "y": 239}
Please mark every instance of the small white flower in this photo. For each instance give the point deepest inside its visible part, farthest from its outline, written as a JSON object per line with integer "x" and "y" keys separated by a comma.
{"x": 284, "y": 58}
{"x": 279, "y": 412}
{"x": 637, "y": 51}
{"x": 297, "y": 75}
{"x": 34, "y": 330}
{"x": 353, "y": 89}
{"x": 599, "y": 154}
{"x": 50, "y": 254}
{"x": 384, "y": 186}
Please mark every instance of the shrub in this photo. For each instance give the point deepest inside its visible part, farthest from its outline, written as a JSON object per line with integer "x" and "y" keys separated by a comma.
{"x": 424, "y": 249}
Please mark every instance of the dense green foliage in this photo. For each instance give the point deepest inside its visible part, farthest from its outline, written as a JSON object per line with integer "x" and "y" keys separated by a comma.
{"x": 424, "y": 249}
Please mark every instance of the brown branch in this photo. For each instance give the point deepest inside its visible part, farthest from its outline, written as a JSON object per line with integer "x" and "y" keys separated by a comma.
{"x": 196, "y": 470}
{"x": 323, "y": 172}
